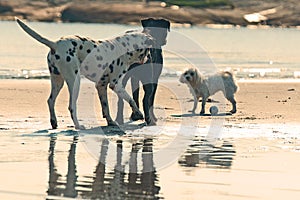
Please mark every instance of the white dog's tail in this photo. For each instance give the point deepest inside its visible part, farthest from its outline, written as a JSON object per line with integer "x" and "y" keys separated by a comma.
{"x": 230, "y": 76}
{"x": 35, "y": 35}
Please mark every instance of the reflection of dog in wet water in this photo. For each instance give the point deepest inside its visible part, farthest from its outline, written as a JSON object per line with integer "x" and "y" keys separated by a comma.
{"x": 147, "y": 73}
{"x": 204, "y": 87}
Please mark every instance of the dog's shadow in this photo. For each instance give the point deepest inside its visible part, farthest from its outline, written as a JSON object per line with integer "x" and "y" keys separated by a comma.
{"x": 201, "y": 115}
{"x": 100, "y": 130}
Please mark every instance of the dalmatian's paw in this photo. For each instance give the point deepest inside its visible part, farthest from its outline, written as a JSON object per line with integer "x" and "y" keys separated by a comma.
{"x": 53, "y": 124}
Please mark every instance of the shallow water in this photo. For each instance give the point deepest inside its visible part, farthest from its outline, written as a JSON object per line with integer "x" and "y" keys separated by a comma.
{"x": 249, "y": 53}
{"x": 253, "y": 162}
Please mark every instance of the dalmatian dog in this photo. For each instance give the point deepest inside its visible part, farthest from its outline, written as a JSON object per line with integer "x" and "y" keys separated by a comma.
{"x": 147, "y": 73}
{"x": 103, "y": 62}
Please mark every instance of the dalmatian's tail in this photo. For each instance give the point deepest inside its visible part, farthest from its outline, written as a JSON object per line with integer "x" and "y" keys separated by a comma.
{"x": 35, "y": 35}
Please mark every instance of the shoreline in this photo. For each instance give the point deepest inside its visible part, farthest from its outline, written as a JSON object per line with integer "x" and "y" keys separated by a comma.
{"x": 131, "y": 12}
{"x": 257, "y": 102}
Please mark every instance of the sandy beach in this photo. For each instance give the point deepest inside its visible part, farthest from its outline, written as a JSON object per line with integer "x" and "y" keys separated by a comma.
{"x": 256, "y": 156}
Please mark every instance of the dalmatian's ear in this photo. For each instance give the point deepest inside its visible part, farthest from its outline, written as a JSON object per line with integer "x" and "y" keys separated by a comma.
{"x": 146, "y": 31}
{"x": 150, "y": 40}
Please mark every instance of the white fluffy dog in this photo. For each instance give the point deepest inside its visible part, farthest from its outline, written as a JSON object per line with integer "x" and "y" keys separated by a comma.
{"x": 204, "y": 87}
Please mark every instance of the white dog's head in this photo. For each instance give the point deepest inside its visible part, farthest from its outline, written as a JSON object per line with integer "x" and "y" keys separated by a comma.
{"x": 190, "y": 76}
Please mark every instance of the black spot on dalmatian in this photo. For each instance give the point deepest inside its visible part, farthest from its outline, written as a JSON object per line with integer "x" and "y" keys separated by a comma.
{"x": 102, "y": 78}
{"x": 99, "y": 58}
{"x": 112, "y": 47}
{"x": 124, "y": 71}
{"x": 71, "y": 54}
{"x": 80, "y": 47}
{"x": 115, "y": 80}
{"x": 113, "y": 62}
{"x": 120, "y": 75}
{"x": 124, "y": 44}
{"x": 57, "y": 57}
{"x": 88, "y": 51}
{"x": 118, "y": 61}
{"x": 68, "y": 58}
{"x": 74, "y": 43}
{"x": 76, "y": 71}
{"x": 86, "y": 68}
{"x": 135, "y": 46}
{"x": 93, "y": 75}
{"x": 99, "y": 65}
{"x": 55, "y": 70}
{"x": 82, "y": 39}
{"x": 121, "y": 64}
{"x": 95, "y": 46}
{"x": 111, "y": 67}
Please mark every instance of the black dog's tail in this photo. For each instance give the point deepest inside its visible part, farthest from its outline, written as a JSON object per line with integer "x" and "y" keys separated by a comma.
{"x": 35, "y": 35}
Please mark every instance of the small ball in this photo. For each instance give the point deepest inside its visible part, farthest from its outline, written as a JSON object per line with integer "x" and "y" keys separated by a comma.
{"x": 213, "y": 110}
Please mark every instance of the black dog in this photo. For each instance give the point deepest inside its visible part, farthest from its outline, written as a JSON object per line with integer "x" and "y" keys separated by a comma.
{"x": 147, "y": 73}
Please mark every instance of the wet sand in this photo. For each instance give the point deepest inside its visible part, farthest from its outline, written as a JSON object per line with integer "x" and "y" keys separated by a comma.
{"x": 255, "y": 157}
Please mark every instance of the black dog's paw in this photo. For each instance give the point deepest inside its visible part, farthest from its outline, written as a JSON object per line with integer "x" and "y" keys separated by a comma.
{"x": 135, "y": 116}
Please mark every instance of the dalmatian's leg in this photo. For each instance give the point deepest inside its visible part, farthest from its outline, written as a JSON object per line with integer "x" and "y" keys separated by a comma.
{"x": 122, "y": 93}
{"x": 57, "y": 83}
{"x": 73, "y": 82}
{"x": 102, "y": 93}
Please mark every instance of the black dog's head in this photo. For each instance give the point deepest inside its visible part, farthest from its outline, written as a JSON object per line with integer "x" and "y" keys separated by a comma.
{"x": 157, "y": 28}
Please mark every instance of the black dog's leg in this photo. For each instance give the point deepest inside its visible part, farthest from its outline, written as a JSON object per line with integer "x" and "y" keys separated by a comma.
{"x": 135, "y": 90}
{"x": 148, "y": 89}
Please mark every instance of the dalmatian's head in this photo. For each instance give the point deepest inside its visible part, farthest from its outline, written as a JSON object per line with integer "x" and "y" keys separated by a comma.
{"x": 141, "y": 44}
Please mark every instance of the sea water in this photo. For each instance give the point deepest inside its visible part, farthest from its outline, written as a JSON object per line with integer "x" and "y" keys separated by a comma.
{"x": 250, "y": 53}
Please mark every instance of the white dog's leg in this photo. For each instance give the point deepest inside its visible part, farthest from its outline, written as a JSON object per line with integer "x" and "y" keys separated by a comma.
{"x": 57, "y": 83}
{"x": 102, "y": 93}
{"x": 73, "y": 82}
{"x": 122, "y": 93}
{"x": 204, "y": 99}
{"x": 233, "y": 102}
{"x": 195, "y": 101}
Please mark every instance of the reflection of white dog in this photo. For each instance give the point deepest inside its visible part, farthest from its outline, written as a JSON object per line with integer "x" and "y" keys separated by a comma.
{"x": 204, "y": 87}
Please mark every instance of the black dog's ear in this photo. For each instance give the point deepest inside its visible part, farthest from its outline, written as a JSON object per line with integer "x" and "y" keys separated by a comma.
{"x": 146, "y": 22}
{"x": 159, "y": 23}
{"x": 166, "y": 24}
